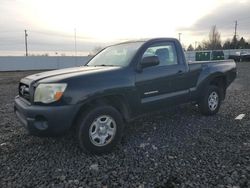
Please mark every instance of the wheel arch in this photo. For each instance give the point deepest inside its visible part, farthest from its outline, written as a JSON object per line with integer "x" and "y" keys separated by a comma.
{"x": 117, "y": 101}
{"x": 221, "y": 82}
{"x": 217, "y": 79}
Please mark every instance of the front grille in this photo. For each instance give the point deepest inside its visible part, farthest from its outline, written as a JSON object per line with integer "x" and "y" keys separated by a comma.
{"x": 24, "y": 91}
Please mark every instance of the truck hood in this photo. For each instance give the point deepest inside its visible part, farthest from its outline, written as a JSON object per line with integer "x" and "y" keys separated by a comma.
{"x": 67, "y": 72}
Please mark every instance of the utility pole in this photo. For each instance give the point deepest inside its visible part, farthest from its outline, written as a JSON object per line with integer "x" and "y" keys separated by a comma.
{"x": 75, "y": 49}
{"x": 26, "y": 45}
{"x": 235, "y": 34}
{"x": 235, "y": 29}
{"x": 179, "y": 37}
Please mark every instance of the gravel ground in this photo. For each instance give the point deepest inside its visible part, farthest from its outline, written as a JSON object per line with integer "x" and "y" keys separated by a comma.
{"x": 177, "y": 147}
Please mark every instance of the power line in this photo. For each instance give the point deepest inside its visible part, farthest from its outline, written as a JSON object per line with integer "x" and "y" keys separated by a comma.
{"x": 10, "y": 31}
{"x": 55, "y": 34}
{"x": 244, "y": 18}
{"x": 244, "y": 24}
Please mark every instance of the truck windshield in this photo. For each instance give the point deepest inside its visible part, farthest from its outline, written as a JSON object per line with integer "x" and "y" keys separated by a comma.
{"x": 117, "y": 55}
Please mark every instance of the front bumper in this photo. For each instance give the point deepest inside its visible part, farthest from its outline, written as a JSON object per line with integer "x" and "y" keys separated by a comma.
{"x": 45, "y": 120}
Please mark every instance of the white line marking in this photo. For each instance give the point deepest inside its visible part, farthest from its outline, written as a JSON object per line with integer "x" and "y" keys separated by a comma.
{"x": 151, "y": 92}
{"x": 240, "y": 117}
{"x": 3, "y": 144}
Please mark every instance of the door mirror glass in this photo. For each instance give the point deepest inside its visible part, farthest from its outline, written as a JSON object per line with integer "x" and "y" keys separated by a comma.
{"x": 150, "y": 61}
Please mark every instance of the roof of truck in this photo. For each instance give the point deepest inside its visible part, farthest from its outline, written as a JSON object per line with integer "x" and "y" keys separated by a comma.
{"x": 146, "y": 40}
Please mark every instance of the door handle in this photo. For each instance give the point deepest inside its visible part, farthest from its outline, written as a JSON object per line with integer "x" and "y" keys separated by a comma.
{"x": 180, "y": 72}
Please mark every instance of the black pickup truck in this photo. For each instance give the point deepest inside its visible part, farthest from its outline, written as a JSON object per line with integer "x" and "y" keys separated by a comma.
{"x": 117, "y": 85}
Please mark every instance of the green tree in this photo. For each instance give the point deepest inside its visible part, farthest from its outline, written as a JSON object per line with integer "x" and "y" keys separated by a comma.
{"x": 234, "y": 43}
{"x": 227, "y": 44}
{"x": 242, "y": 43}
{"x": 199, "y": 48}
{"x": 190, "y": 48}
{"x": 248, "y": 44}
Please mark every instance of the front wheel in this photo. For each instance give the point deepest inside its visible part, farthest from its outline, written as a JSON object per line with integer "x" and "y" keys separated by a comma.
{"x": 210, "y": 102}
{"x": 100, "y": 129}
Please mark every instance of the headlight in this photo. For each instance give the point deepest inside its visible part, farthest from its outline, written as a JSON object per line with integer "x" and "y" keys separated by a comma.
{"x": 47, "y": 93}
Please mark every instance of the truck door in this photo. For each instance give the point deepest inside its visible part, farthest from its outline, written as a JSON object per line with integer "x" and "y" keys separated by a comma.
{"x": 164, "y": 84}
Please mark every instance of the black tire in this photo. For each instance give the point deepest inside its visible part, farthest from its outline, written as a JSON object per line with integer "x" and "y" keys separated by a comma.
{"x": 86, "y": 120}
{"x": 204, "y": 106}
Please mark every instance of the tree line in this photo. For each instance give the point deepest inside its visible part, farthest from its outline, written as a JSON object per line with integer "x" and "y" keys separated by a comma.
{"x": 214, "y": 42}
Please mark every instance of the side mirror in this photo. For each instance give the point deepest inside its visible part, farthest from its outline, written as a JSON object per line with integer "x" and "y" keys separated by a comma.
{"x": 150, "y": 61}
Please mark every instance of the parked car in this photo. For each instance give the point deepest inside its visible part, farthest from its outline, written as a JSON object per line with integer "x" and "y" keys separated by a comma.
{"x": 119, "y": 84}
{"x": 240, "y": 56}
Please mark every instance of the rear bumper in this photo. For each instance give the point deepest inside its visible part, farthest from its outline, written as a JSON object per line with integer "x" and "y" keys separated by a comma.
{"x": 45, "y": 120}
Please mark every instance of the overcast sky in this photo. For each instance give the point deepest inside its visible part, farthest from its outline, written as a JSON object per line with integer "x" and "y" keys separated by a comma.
{"x": 51, "y": 24}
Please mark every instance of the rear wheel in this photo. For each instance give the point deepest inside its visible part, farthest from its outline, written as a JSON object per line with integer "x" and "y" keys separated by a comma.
{"x": 210, "y": 102}
{"x": 100, "y": 129}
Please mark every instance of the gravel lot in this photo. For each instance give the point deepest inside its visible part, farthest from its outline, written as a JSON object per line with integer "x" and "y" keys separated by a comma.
{"x": 176, "y": 147}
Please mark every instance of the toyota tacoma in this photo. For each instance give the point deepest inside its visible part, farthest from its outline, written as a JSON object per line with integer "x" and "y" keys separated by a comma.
{"x": 120, "y": 83}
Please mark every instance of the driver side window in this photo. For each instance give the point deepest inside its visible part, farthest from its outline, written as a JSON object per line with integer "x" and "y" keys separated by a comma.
{"x": 165, "y": 52}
